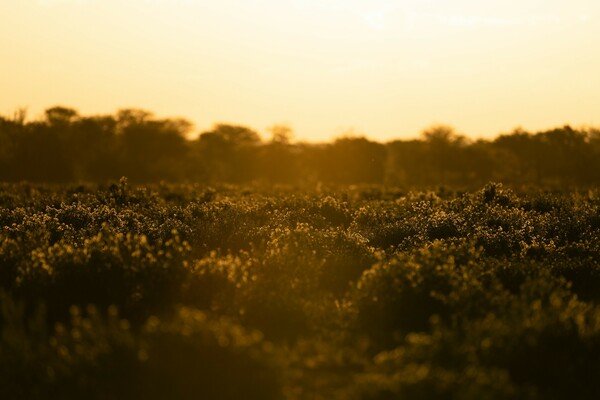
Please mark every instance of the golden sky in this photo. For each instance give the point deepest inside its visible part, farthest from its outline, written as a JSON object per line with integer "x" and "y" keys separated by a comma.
{"x": 383, "y": 68}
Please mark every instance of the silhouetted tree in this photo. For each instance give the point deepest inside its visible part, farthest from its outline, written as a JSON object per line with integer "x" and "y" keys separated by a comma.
{"x": 41, "y": 151}
{"x": 445, "y": 154}
{"x": 406, "y": 162}
{"x": 228, "y": 153}
{"x": 527, "y": 155}
{"x": 94, "y": 147}
{"x": 353, "y": 160}
{"x": 593, "y": 173}
{"x": 565, "y": 155}
{"x": 11, "y": 130}
{"x": 61, "y": 116}
{"x": 279, "y": 159}
{"x": 151, "y": 149}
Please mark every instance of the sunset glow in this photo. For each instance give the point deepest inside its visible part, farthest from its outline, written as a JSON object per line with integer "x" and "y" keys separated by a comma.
{"x": 385, "y": 69}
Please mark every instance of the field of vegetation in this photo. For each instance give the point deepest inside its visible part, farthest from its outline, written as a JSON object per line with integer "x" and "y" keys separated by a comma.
{"x": 187, "y": 291}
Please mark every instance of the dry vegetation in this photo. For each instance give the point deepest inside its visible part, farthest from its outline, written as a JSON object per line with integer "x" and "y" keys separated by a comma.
{"x": 183, "y": 291}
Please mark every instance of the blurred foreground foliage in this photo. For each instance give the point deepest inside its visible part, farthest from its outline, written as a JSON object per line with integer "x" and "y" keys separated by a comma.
{"x": 363, "y": 292}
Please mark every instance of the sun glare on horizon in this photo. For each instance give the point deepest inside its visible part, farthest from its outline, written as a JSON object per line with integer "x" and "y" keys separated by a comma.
{"x": 387, "y": 69}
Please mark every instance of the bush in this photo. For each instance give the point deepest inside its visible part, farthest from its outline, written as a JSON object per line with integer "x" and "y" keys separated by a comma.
{"x": 185, "y": 357}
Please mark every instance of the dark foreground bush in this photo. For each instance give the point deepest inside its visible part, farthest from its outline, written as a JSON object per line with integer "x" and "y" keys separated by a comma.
{"x": 97, "y": 356}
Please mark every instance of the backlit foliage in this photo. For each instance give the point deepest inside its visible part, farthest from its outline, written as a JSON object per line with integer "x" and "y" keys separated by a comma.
{"x": 362, "y": 292}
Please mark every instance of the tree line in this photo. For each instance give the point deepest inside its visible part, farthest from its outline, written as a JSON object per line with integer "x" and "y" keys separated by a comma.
{"x": 65, "y": 146}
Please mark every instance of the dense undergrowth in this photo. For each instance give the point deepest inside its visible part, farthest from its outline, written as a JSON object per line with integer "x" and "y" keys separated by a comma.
{"x": 334, "y": 293}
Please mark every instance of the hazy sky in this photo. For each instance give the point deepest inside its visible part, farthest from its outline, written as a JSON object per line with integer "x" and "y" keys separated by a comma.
{"x": 386, "y": 69}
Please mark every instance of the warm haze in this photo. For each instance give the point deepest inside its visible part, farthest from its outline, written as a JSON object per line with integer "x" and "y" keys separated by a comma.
{"x": 385, "y": 69}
